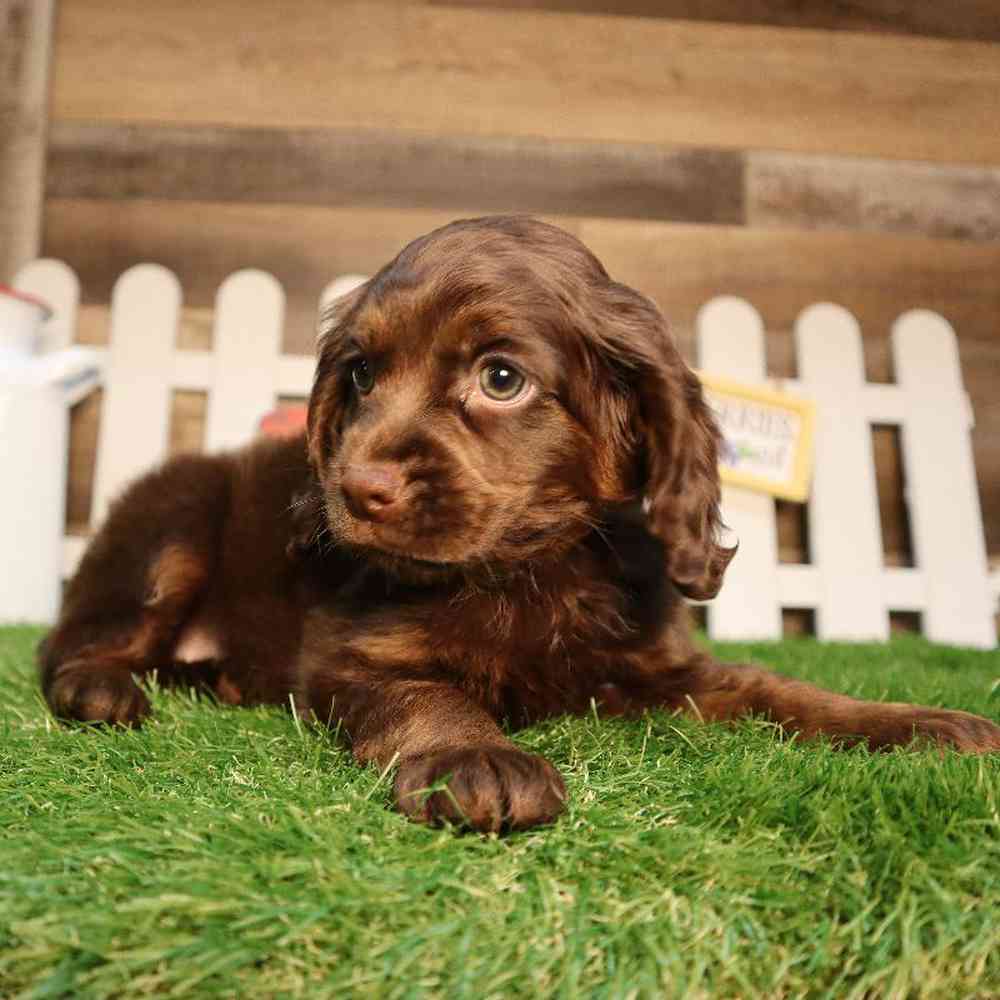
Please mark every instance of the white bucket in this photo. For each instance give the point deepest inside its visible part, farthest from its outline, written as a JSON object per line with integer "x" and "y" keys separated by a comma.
{"x": 36, "y": 391}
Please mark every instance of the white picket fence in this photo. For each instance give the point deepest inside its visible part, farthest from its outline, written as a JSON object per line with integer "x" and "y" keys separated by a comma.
{"x": 846, "y": 584}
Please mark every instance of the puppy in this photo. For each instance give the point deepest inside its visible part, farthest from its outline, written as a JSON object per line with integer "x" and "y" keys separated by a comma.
{"x": 507, "y": 487}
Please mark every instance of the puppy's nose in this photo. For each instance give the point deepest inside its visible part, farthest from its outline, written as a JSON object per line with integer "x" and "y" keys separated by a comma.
{"x": 374, "y": 492}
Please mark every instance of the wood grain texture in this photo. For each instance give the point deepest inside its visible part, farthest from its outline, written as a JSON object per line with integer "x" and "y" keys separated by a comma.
{"x": 84, "y": 428}
{"x": 681, "y": 266}
{"x": 894, "y": 518}
{"x": 371, "y": 168}
{"x": 971, "y": 19}
{"x": 25, "y": 44}
{"x": 360, "y": 169}
{"x": 318, "y": 64}
{"x": 826, "y": 192}
{"x": 793, "y": 531}
{"x": 304, "y": 247}
{"x": 187, "y": 421}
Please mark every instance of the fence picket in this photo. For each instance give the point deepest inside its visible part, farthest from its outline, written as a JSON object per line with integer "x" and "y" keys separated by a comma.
{"x": 249, "y": 315}
{"x": 844, "y": 529}
{"x": 941, "y": 482}
{"x": 731, "y": 343}
{"x": 145, "y": 308}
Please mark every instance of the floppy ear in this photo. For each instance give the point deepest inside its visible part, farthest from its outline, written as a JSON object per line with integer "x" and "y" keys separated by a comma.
{"x": 326, "y": 401}
{"x": 678, "y": 443}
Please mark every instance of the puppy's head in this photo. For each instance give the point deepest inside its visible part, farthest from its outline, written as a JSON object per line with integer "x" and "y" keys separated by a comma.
{"x": 490, "y": 392}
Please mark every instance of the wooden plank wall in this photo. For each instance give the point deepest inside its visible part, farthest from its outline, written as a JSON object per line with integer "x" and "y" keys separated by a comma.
{"x": 793, "y": 152}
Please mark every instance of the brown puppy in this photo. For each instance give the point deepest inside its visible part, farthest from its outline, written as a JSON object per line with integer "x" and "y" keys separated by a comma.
{"x": 507, "y": 487}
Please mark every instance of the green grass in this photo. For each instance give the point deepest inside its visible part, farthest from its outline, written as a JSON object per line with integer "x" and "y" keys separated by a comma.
{"x": 226, "y": 852}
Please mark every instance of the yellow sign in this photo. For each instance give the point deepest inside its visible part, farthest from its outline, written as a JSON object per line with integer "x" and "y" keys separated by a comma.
{"x": 767, "y": 437}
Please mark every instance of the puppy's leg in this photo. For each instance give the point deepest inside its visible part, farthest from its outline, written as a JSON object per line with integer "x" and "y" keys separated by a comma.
{"x": 455, "y": 764}
{"x": 135, "y": 586}
{"x": 721, "y": 691}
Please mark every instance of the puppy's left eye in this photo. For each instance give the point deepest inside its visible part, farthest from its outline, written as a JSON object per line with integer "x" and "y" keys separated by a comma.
{"x": 501, "y": 381}
{"x": 362, "y": 376}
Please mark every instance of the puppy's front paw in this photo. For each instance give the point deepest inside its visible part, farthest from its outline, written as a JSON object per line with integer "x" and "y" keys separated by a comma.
{"x": 487, "y": 788}
{"x": 959, "y": 730}
{"x": 96, "y": 692}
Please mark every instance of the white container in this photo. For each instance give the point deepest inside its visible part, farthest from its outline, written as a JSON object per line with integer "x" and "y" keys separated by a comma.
{"x": 36, "y": 391}
{"x": 21, "y": 318}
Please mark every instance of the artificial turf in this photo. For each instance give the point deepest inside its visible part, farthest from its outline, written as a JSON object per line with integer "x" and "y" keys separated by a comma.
{"x": 227, "y": 852}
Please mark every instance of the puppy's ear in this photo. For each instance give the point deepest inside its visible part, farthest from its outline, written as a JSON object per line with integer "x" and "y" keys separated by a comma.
{"x": 677, "y": 443}
{"x": 326, "y": 401}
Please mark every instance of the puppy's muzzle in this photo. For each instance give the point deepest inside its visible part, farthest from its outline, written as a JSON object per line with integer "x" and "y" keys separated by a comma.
{"x": 374, "y": 491}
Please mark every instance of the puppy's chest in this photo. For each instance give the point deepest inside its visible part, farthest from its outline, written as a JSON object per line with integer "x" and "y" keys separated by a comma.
{"x": 522, "y": 651}
{"x": 531, "y": 646}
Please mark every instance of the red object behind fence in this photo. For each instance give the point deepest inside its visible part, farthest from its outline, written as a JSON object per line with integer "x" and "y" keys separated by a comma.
{"x": 284, "y": 422}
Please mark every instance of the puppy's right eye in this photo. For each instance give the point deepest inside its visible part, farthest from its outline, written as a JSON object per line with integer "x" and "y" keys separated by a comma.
{"x": 361, "y": 376}
{"x": 501, "y": 382}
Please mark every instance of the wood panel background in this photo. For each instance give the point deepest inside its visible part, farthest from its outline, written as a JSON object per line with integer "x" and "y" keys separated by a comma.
{"x": 973, "y": 19}
{"x": 785, "y": 151}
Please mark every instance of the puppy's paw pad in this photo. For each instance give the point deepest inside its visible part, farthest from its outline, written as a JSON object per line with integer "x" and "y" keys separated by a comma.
{"x": 486, "y": 788}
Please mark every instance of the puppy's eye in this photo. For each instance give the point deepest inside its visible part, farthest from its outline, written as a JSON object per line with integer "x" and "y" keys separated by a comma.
{"x": 501, "y": 381}
{"x": 361, "y": 376}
